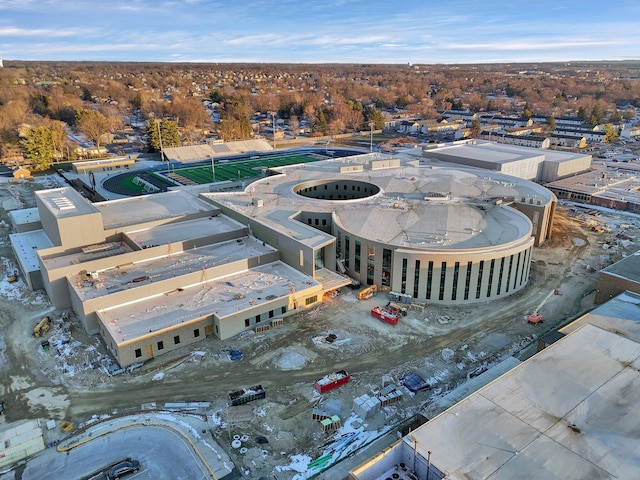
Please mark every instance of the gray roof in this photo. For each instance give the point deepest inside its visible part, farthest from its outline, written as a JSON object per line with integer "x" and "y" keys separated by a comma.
{"x": 580, "y": 422}
{"x": 420, "y": 207}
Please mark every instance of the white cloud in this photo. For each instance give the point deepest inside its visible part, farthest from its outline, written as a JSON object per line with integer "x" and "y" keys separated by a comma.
{"x": 38, "y": 32}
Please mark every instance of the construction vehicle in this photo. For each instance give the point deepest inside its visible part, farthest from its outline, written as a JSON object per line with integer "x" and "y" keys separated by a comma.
{"x": 535, "y": 317}
{"x": 368, "y": 292}
{"x": 13, "y": 277}
{"x": 43, "y": 327}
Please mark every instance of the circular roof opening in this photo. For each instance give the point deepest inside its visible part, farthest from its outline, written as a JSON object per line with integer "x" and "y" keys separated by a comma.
{"x": 336, "y": 190}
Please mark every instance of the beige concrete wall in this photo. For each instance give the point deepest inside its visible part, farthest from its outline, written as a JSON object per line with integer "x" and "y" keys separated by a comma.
{"x": 148, "y": 345}
{"x": 81, "y": 230}
{"x": 541, "y": 217}
{"x": 86, "y": 308}
{"x": 226, "y": 327}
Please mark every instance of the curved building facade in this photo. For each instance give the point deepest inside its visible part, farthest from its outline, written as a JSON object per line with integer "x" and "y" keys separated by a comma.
{"x": 437, "y": 235}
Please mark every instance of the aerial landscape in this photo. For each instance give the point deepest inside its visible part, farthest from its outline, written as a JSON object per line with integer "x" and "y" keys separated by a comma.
{"x": 334, "y": 240}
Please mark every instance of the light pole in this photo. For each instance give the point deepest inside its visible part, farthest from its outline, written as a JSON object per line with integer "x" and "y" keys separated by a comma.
{"x": 371, "y": 124}
{"x": 273, "y": 115}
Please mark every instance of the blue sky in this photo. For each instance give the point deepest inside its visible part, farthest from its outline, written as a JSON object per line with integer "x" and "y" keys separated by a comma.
{"x": 310, "y": 31}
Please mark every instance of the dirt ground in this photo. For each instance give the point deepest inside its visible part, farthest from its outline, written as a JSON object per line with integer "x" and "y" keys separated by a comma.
{"x": 70, "y": 380}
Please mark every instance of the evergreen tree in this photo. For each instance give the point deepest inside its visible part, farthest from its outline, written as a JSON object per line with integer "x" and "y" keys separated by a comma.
{"x": 374, "y": 115}
{"x": 161, "y": 134}
{"x": 38, "y": 147}
{"x": 320, "y": 125}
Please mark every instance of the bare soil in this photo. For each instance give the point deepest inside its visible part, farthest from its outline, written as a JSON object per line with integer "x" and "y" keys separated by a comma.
{"x": 69, "y": 380}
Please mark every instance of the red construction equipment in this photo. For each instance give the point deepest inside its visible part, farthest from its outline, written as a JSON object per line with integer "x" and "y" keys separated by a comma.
{"x": 535, "y": 317}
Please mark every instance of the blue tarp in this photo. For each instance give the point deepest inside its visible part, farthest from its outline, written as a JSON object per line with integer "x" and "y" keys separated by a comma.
{"x": 414, "y": 382}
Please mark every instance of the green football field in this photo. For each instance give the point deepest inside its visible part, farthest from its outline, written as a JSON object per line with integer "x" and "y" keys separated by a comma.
{"x": 233, "y": 169}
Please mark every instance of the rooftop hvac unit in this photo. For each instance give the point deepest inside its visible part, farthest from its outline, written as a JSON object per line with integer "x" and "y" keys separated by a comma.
{"x": 257, "y": 202}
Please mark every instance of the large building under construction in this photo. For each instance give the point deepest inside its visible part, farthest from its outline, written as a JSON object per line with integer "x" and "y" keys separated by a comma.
{"x": 154, "y": 273}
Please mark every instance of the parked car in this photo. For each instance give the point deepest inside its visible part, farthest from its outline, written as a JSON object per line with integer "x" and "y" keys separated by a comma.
{"x": 127, "y": 466}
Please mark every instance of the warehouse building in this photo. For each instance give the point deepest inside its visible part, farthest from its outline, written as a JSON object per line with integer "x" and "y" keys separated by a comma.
{"x": 576, "y": 423}
{"x": 533, "y": 164}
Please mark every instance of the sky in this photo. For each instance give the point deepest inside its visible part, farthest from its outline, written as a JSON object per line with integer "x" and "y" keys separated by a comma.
{"x": 325, "y": 31}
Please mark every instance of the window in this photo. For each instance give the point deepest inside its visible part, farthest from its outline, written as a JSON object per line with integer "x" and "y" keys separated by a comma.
{"x": 509, "y": 272}
{"x": 160, "y": 345}
{"x": 404, "y": 276}
{"x": 416, "y": 279}
{"x": 518, "y": 265}
{"x": 283, "y": 310}
{"x": 356, "y": 260}
{"x": 246, "y": 322}
{"x": 257, "y": 318}
{"x": 491, "y": 268}
{"x": 270, "y": 313}
{"x": 456, "y": 274}
{"x": 386, "y": 267}
{"x": 347, "y": 244}
{"x": 196, "y": 333}
{"x": 500, "y": 276}
{"x": 443, "y": 279}
{"x": 311, "y": 300}
{"x": 429, "y": 280}
{"x": 371, "y": 257}
{"x": 479, "y": 286}
{"x": 176, "y": 339}
{"x": 138, "y": 352}
{"x": 467, "y": 281}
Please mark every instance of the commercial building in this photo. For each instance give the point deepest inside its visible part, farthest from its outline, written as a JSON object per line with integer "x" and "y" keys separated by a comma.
{"x": 614, "y": 279}
{"x": 576, "y": 422}
{"x": 527, "y": 163}
{"x": 616, "y": 188}
{"x": 156, "y": 272}
{"x": 445, "y": 236}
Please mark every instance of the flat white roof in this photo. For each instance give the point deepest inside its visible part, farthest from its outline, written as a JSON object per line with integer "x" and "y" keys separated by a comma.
{"x": 24, "y": 216}
{"x": 118, "y": 278}
{"x": 184, "y": 231}
{"x": 222, "y": 297}
{"x": 65, "y": 202}
{"x": 581, "y": 421}
{"x": 25, "y": 246}
{"x": 136, "y": 210}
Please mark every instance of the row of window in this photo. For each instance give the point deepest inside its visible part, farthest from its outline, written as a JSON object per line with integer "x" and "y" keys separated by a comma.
{"x": 258, "y": 318}
{"x": 160, "y": 343}
{"x": 514, "y": 277}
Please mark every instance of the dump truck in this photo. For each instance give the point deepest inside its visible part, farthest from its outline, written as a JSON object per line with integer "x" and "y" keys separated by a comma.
{"x": 43, "y": 327}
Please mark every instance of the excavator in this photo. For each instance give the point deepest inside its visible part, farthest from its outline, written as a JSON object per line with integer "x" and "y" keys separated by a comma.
{"x": 43, "y": 327}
